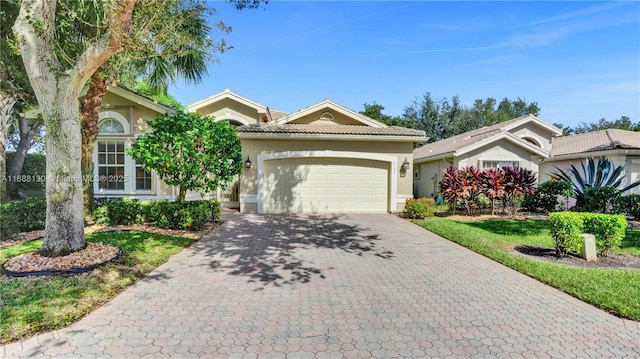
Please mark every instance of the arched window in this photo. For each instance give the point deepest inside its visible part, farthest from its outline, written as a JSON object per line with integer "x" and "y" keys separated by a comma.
{"x": 327, "y": 116}
{"x": 532, "y": 141}
{"x": 111, "y": 126}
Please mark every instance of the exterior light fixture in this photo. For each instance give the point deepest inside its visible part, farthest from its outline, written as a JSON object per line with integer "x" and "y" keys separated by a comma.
{"x": 406, "y": 164}
{"x": 247, "y": 163}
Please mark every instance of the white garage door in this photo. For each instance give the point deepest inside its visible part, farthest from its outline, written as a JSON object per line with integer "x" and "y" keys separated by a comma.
{"x": 316, "y": 185}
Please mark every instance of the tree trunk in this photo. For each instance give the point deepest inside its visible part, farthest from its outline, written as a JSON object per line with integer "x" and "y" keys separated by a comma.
{"x": 65, "y": 222}
{"x": 57, "y": 89}
{"x": 181, "y": 194}
{"x": 7, "y": 103}
{"x": 89, "y": 109}
{"x": 27, "y": 132}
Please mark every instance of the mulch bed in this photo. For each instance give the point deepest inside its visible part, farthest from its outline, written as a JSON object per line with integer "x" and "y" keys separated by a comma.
{"x": 93, "y": 256}
{"x": 549, "y": 255}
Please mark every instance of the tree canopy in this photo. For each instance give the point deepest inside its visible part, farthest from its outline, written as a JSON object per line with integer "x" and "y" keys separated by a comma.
{"x": 443, "y": 118}
{"x": 189, "y": 151}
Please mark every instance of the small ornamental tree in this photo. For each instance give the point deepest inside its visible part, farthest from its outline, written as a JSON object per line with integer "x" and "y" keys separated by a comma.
{"x": 451, "y": 187}
{"x": 189, "y": 151}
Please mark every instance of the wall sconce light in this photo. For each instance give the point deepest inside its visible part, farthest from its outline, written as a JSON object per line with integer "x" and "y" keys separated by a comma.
{"x": 247, "y": 163}
{"x": 406, "y": 164}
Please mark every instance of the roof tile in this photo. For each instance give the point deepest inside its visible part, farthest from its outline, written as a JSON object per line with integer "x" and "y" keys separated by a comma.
{"x": 331, "y": 130}
{"x": 595, "y": 141}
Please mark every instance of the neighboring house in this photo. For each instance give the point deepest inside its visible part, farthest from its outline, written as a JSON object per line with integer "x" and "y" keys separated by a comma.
{"x": 621, "y": 147}
{"x": 524, "y": 142}
{"x": 324, "y": 158}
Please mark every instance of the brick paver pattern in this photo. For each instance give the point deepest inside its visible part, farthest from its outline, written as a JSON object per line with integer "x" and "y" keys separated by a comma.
{"x": 347, "y": 286}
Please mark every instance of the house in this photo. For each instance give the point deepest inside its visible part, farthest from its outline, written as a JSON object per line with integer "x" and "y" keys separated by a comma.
{"x": 621, "y": 147}
{"x": 323, "y": 158}
{"x": 524, "y": 142}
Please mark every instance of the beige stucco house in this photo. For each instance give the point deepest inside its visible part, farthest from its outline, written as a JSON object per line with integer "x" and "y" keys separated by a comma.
{"x": 621, "y": 147}
{"x": 323, "y": 158}
{"x": 524, "y": 142}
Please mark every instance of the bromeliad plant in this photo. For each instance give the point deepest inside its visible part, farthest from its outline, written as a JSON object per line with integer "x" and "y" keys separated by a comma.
{"x": 600, "y": 175}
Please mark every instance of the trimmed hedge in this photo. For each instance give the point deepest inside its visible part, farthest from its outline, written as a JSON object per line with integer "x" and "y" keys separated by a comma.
{"x": 22, "y": 216}
{"x": 190, "y": 215}
{"x": 566, "y": 228}
{"x": 421, "y": 208}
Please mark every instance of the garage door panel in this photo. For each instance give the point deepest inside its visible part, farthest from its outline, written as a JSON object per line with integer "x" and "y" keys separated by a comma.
{"x": 325, "y": 185}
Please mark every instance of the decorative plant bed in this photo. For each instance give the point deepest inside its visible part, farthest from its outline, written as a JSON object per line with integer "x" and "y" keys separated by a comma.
{"x": 617, "y": 261}
{"x": 86, "y": 260}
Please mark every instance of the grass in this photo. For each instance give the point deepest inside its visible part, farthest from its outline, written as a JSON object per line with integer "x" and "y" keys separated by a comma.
{"x": 614, "y": 290}
{"x": 32, "y": 305}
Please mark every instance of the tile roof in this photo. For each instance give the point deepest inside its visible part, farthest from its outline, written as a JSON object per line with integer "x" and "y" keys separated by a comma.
{"x": 595, "y": 141}
{"x": 275, "y": 115}
{"x": 463, "y": 140}
{"x": 331, "y": 130}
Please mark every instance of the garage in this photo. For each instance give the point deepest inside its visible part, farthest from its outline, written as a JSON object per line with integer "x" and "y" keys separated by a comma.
{"x": 325, "y": 184}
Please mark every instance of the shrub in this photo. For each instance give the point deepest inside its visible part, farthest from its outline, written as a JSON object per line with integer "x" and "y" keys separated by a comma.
{"x": 566, "y": 228}
{"x": 545, "y": 197}
{"x": 123, "y": 211}
{"x": 421, "y": 208}
{"x": 629, "y": 205}
{"x": 22, "y": 216}
{"x": 598, "y": 199}
{"x": 609, "y": 230}
{"x": 191, "y": 215}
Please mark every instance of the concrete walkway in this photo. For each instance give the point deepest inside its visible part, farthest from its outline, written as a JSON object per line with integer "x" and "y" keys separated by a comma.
{"x": 354, "y": 286}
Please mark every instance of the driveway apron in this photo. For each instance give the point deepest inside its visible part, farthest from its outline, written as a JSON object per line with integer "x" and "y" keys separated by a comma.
{"x": 352, "y": 286}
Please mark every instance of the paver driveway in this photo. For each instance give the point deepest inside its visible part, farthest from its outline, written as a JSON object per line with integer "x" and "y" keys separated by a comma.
{"x": 353, "y": 286}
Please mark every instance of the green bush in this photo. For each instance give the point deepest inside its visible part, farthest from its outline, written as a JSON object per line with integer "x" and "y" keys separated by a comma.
{"x": 598, "y": 199}
{"x": 191, "y": 215}
{"x": 421, "y": 208}
{"x": 609, "y": 230}
{"x": 566, "y": 228}
{"x": 545, "y": 197}
{"x": 123, "y": 211}
{"x": 22, "y": 216}
{"x": 629, "y": 205}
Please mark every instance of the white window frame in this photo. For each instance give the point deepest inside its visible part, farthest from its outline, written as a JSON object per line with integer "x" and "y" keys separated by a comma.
{"x": 129, "y": 163}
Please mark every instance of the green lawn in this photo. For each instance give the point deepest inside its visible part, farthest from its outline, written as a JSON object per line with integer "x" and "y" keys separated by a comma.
{"x": 31, "y": 305}
{"x": 614, "y": 290}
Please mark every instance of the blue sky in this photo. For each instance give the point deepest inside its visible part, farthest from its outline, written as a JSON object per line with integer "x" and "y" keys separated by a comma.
{"x": 579, "y": 61}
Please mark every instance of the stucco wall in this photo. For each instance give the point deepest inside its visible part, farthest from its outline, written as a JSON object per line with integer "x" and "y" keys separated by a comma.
{"x": 227, "y": 108}
{"x": 253, "y": 147}
{"x": 427, "y": 176}
{"x": 535, "y": 132}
